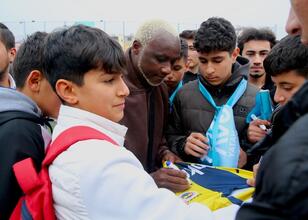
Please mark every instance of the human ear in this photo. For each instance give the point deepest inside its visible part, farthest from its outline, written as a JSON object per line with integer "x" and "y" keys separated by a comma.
{"x": 33, "y": 81}
{"x": 136, "y": 47}
{"x": 235, "y": 54}
{"x": 66, "y": 91}
{"x": 12, "y": 54}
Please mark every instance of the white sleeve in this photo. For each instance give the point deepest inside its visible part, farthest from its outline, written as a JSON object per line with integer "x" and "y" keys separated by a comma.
{"x": 227, "y": 213}
{"x": 121, "y": 189}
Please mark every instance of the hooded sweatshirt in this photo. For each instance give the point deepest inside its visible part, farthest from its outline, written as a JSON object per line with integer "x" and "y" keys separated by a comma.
{"x": 193, "y": 113}
{"x": 22, "y": 135}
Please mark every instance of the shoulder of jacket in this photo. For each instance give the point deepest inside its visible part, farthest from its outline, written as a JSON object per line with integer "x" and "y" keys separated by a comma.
{"x": 21, "y": 135}
{"x": 20, "y": 126}
{"x": 191, "y": 87}
{"x": 251, "y": 90}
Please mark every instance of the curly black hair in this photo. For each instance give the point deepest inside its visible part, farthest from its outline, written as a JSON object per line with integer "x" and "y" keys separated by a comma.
{"x": 288, "y": 54}
{"x": 215, "y": 34}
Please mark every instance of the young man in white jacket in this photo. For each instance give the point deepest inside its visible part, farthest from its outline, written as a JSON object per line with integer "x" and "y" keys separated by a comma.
{"x": 95, "y": 179}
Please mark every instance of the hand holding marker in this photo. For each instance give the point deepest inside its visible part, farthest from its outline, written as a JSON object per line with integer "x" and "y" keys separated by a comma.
{"x": 254, "y": 117}
{"x": 169, "y": 164}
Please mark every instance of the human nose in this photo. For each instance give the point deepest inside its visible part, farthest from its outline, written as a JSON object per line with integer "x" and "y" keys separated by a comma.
{"x": 169, "y": 76}
{"x": 190, "y": 53}
{"x": 123, "y": 89}
{"x": 278, "y": 97}
{"x": 166, "y": 69}
{"x": 257, "y": 59}
{"x": 209, "y": 69}
{"x": 293, "y": 26}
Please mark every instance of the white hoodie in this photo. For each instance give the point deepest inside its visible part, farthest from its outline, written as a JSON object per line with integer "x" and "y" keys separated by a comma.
{"x": 12, "y": 82}
{"x": 95, "y": 179}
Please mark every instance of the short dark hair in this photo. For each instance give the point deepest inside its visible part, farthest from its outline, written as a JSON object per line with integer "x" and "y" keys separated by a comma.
{"x": 288, "y": 54}
{"x": 215, "y": 34}
{"x": 188, "y": 34}
{"x": 29, "y": 58}
{"x": 3, "y": 26}
{"x": 251, "y": 33}
{"x": 6, "y": 37}
{"x": 184, "y": 49}
{"x": 70, "y": 53}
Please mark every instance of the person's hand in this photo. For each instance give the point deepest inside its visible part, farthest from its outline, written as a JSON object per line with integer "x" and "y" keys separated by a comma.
{"x": 196, "y": 145}
{"x": 242, "y": 159}
{"x": 254, "y": 132}
{"x": 174, "y": 180}
{"x": 252, "y": 182}
{"x": 168, "y": 155}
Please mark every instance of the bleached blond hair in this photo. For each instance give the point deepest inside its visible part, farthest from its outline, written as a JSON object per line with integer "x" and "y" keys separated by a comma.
{"x": 149, "y": 28}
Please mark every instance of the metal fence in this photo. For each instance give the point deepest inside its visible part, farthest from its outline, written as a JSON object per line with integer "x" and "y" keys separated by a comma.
{"x": 121, "y": 30}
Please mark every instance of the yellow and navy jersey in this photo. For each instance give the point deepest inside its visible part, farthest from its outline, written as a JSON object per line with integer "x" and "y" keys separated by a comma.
{"x": 216, "y": 187}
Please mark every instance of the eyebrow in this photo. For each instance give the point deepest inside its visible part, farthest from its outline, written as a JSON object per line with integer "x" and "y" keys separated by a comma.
{"x": 217, "y": 57}
{"x": 103, "y": 73}
{"x": 254, "y": 51}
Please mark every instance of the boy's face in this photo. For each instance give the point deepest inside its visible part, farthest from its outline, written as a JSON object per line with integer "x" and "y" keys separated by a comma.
{"x": 192, "y": 54}
{"x": 177, "y": 73}
{"x": 40, "y": 91}
{"x": 47, "y": 100}
{"x": 102, "y": 94}
{"x": 287, "y": 85}
{"x": 256, "y": 51}
{"x": 216, "y": 66}
{"x": 4, "y": 59}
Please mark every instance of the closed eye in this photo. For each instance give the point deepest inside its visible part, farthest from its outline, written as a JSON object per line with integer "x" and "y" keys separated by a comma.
{"x": 202, "y": 60}
{"x": 217, "y": 60}
{"x": 161, "y": 59}
{"x": 287, "y": 88}
{"x": 177, "y": 67}
{"x": 109, "y": 80}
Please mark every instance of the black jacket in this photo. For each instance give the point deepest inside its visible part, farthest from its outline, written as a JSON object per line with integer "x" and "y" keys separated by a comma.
{"x": 189, "y": 76}
{"x": 281, "y": 184}
{"x": 21, "y": 136}
{"x": 192, "y": 113}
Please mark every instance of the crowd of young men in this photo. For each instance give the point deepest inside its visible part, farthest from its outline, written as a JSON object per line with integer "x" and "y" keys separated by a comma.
{"x": 101, "y": 87}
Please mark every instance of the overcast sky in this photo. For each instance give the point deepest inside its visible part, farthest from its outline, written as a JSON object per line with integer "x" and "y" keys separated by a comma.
{"x": 185, "y": 14}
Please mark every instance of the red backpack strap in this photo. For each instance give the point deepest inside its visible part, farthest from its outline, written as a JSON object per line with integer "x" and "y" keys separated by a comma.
{"x": 26, "y": 174}
{"x": 70, "y": 137}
